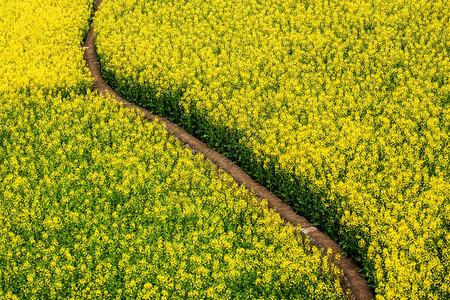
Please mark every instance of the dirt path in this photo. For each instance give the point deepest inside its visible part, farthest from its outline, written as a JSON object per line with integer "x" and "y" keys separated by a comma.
{"x": 353, "y": 280}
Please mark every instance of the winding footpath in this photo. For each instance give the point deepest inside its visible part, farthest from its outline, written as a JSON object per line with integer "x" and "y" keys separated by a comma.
{"x": 358, "y": 286}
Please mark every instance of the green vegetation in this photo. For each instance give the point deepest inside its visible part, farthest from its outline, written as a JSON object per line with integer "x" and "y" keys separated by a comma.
{"x": 341, "y": 107}
{"x": 97, "y": 204}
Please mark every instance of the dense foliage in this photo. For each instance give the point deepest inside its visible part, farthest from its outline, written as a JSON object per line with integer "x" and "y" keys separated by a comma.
{"x": 342, "y": 107}
{"x": 41, "y": 45}
{"x": 97, "y": 204}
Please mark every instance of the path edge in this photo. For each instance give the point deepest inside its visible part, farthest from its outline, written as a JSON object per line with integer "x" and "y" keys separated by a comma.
{"x": 358, "y": 286}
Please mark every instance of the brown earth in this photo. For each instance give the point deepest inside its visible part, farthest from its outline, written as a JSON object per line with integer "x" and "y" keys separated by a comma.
{"x": 357, "y": 285}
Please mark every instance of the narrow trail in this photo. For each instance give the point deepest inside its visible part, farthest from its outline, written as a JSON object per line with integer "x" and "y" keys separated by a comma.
{"x": 358, "y": 286}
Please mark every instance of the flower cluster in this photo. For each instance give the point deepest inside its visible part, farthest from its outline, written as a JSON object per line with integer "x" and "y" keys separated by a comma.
{"x": 341, "y": 107}
{"x": 42, "y": 46}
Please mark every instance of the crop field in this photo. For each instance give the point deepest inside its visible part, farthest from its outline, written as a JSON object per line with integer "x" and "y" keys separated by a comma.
{"x": 340, "y": 107}
{"x": 97, "y": 204}
{"x": 41, "y": 46}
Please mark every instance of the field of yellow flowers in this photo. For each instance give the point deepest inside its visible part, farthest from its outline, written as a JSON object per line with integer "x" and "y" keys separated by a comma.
{"x": 97, "y": 204}
{"x": 341, "y": 107}
{"x": 41, "y": 46}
